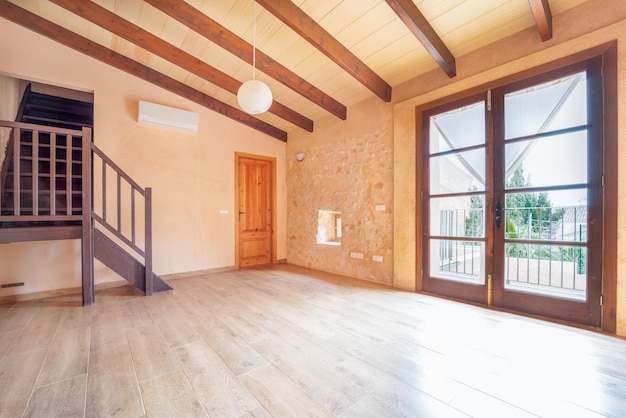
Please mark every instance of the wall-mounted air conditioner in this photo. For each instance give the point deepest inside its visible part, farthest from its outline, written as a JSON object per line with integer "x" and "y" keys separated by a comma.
{"x": 159, "y": 115}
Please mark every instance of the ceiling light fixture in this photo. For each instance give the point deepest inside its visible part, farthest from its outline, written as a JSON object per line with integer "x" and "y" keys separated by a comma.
{"x": 254, "y": 96}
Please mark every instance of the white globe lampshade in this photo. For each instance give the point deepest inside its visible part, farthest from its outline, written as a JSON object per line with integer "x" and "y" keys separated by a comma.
{"x": 254, "y": 97}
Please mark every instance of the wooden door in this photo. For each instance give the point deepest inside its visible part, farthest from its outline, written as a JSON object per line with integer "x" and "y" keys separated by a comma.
{"x": 255, "y": 210}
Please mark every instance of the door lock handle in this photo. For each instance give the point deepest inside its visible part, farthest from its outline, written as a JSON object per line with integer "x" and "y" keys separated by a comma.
{"x": 498, "y": 214}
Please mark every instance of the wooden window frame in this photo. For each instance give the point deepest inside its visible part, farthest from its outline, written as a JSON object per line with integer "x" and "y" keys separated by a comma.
{"x": 608, "y": 52}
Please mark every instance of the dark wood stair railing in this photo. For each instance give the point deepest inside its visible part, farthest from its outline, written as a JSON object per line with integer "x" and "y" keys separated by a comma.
{"x": 47, "y": 192}
{"x": 41, "y": 178}
{"x": 123, "y": 224}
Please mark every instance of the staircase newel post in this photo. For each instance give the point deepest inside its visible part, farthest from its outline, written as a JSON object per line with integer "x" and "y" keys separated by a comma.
{"x": 148, "y": 240}
{"x": 87, "y": 224}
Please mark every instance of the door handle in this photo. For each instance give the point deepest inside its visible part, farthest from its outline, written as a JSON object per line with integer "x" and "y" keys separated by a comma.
{"x": 498, "y": 214}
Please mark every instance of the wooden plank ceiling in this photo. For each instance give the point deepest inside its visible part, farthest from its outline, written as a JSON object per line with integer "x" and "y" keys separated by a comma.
{"x": 319, "y": 57}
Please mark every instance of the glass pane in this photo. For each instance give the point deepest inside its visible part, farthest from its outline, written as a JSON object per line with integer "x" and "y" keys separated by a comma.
{"x": 461, "y": 216}
{"x": 459, "y": 128}
{"x": 558, "y": 160}
{"x": 551, "y": 216}
{"x": 547, "y": 107}
{"x": 559, "y": 271}
{"x": 461, "y": 261}
{"x": 458, "y": 172}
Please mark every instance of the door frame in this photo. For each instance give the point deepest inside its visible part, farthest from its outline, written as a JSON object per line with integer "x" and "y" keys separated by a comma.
{"x": 608, "y": 51}
{"x": 272, "y": 162}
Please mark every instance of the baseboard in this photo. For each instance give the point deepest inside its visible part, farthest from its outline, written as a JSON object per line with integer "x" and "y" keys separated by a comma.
{"x": 111, "y": 284}
{"x": 40, "y": 295}
{"x": 337, "y": 277}
{"x": 105, "y": 285}
{"x": 165, "y": 277}
{"x": 183, "y": 275}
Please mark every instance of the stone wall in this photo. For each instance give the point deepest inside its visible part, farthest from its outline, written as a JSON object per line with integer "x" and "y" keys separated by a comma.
{"x": 348, "y": 168}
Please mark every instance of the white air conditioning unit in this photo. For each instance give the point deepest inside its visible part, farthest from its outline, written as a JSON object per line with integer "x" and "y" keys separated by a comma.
{"x": 159, "y": 115}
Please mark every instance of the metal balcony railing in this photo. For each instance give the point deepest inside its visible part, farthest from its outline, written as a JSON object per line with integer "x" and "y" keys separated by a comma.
{"x": 545, "y": 248}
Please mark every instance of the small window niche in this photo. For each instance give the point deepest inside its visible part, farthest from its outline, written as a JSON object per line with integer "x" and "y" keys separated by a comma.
{"x": 328, "y": 227}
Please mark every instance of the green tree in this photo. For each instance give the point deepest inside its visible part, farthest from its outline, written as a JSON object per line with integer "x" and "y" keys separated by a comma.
{"x": 526, "y": 215}
{"x": 529, "y": 214}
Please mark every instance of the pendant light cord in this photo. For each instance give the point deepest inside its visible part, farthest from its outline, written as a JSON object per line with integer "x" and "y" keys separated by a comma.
{"x": 254, "y": 40}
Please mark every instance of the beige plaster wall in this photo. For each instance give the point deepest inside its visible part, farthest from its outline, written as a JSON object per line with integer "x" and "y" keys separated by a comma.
{"x": 191, "y": 174}
{"x": 593, "y": 23}
{"x": 348, "y": 168}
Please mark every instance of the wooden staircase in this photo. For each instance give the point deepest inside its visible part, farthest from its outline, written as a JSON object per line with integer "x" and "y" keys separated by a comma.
{"x": 47, "y": 188}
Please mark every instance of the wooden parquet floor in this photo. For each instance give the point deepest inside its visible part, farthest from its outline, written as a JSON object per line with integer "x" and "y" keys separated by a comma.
{"x": 287, "y": 342}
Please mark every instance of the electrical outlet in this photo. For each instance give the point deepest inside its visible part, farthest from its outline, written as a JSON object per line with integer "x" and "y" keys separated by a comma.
{"x": 379, "y": 208}
{"x": 357, "y": 255}
{"x": 377, "y": 258}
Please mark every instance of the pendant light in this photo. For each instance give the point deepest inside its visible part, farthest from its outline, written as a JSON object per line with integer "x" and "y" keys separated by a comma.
{"x": 254, "y": 96}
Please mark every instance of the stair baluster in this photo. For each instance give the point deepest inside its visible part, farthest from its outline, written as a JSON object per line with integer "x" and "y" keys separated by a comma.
{"x": 23, "y": 202}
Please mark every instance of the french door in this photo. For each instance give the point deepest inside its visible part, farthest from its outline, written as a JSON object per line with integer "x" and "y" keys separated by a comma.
{"x": 512, "y": 196}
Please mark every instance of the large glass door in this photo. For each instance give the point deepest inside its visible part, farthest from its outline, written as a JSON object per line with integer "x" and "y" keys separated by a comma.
{"x": 513, "y": 196}
{"x": 549, "y": 202}
{"x": 456, "y": 243}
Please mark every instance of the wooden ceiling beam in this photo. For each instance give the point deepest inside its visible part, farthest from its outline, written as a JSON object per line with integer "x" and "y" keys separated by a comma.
{"x": 210, "y": 29}
{"x": 310, "y": 30}
{"x": 543, "y": 18}
{"x": 140, "y": 37}
{"x": 83, "y": 45}
{"x": 424, "y": 32}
